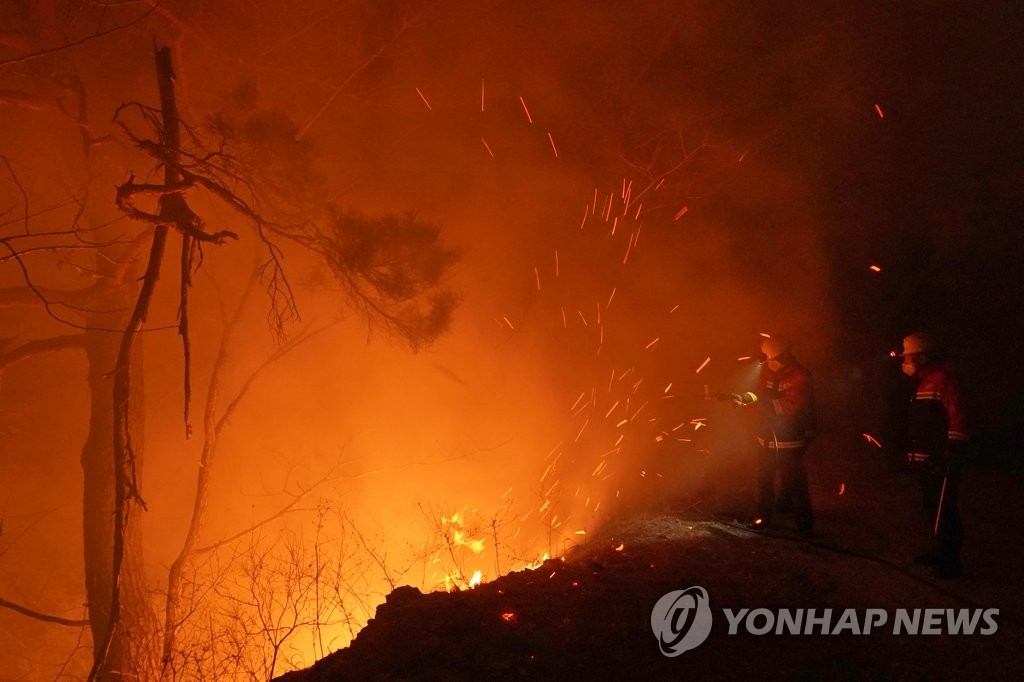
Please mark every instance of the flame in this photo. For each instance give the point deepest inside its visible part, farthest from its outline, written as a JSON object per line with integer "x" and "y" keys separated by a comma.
{"x": 508, "y": 616}
{"x": 477, "y": 578}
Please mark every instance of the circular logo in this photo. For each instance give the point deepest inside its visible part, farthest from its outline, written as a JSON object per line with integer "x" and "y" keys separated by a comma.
{"x": 681, "y": 620}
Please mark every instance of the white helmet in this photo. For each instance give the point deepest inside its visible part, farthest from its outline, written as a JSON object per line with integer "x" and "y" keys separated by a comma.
{"x": 774, "y": 346}
{"x": 918, "y": 342}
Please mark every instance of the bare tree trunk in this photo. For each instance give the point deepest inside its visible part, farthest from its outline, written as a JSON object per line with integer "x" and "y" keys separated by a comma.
{"x": 120, "y": 661}
{"x": 115, "y": 639}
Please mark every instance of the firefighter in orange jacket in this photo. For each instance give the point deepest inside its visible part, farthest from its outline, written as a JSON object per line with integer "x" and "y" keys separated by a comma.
{"x": 936, "y": 447}
{"x": 785, "y": 396}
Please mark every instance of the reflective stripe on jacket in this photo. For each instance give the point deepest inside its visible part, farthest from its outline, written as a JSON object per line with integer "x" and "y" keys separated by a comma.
{"x": 935, "y": 419}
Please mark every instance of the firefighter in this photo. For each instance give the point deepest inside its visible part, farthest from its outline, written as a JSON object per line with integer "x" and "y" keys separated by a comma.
{"x": 936, "y": 448}
{"x": 784, "y": 398}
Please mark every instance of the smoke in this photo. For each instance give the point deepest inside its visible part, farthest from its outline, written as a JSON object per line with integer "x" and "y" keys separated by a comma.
{"x": 638, "y": 193}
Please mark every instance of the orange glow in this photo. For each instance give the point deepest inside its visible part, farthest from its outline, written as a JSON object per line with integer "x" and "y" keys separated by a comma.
{"x": 448, "y": 466}
{"x": 875, "y": 268}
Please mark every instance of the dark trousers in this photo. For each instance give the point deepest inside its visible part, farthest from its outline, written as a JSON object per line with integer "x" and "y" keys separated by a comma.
{"x": 949, "y": 538}
{"x": 793, "y": 493}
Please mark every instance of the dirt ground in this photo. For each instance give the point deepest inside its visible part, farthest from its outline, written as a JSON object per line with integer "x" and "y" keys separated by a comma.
{"x": 589, "y": 616}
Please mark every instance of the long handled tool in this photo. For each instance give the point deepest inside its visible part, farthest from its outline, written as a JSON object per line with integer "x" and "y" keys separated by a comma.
{"x": 942, "y": 499}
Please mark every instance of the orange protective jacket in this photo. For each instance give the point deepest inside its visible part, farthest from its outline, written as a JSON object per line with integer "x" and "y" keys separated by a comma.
{"x": 786, "y": 403}
{"x": 936, "y": 422}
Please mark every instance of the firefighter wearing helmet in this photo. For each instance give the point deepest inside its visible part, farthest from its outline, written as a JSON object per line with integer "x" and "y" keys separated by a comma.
{"x": 936, "y": 447}
{"x": 785, "y": 398}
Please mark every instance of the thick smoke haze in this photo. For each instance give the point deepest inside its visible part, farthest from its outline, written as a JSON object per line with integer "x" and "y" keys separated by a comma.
{"x": 637, "y": 190}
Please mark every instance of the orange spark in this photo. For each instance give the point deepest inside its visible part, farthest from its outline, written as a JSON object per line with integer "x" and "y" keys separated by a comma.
{"x": 536, "y": 275}
{"x": 682, "y": 212}
{"x": 556, "y": 262}
{"x": 871, "y": 439}
{"x": 669, "y": 387}
{"x": 553, "y": 147}
{"x": 652, "y": 343}
{"x": 842, "y": 488}
{"x": 674, "y": 308}
{"x": 481, "y": 94}
{"x": 875, "y": 268}
{"x": 745, "y": 357}
{"x": 881, "y": 114}
{"x": 508, "y": 616}
{"x": 610, "y": 297}
{"x": 766, "y": 335}
{"x": 565, "y": 323}
{"x": 581, "y": 532}
{"x": 509, "y": 323}
{"x": 621, "y": 547}
{"x": 423, "y": 97}
{"x": 629, "y": 247}
{"x": 523, "y": 102}
{"x": 487, "y": 147}
{"x": 704, "y": 364}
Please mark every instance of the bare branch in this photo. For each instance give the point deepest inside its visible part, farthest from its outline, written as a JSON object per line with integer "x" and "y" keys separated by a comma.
{"x": 32, "y": 613}
{"x": 89, "y": 38}
{"x": 31, "y": 348}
